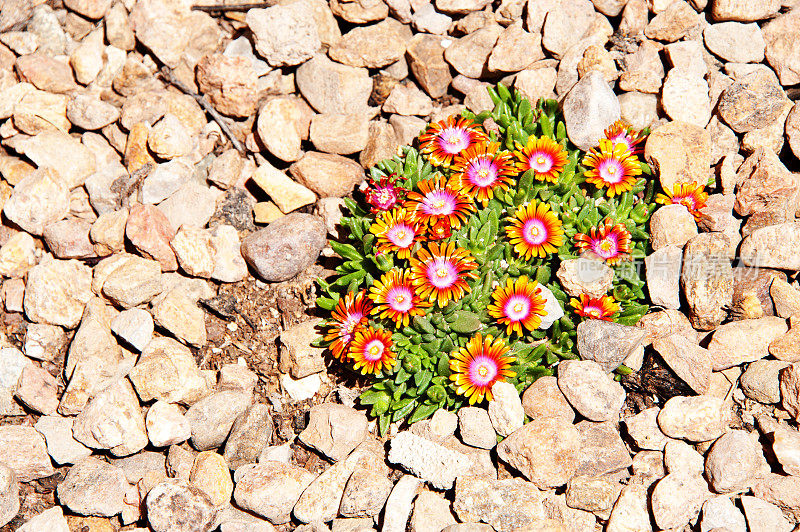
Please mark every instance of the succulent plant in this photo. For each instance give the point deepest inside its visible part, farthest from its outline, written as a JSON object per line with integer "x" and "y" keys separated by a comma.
{"x": 447, "y": 282}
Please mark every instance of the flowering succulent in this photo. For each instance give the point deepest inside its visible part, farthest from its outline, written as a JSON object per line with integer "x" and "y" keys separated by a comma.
{"x": 690, "y": 195}
{"x": 446, "y": 284}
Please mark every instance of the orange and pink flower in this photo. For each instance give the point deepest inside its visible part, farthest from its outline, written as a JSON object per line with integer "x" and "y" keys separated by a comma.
{"x": 371, "y": 350}
{"x": 396, "y": 231}
{"x": 544, "y": 156}
{"x": 395, "y": 298}
{"x": 480, "y": 169}
{"x": 440, "y": 273}
{"x": 621, "y": 133}
{"x": 612, "y": 166}
{"x": 439, "y": 199}
{"x": 535, "y": 231}
{"x": 444, "y": 140}
{"x": 348, "y": 316}
{"x": 690, "y": 195}
{"x": 476, "y": 367}
{"x": 597, "y": 308}
{"x": 518, "y": 304}
{"x": 611, "y": 243}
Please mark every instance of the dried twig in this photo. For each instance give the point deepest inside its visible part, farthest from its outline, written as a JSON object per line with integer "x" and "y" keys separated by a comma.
{"x": 221, "y": 8}
{"x": 218, "y": 118}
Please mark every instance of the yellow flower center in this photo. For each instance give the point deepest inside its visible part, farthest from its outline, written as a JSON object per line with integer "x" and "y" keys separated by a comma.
{"x": 594, "y": 312}
{"x": 518, "y": 307}
{"x": 534, "y": 231}
{"x": 375, "y": 350}
{"x": 483, "y": 371}
{"x": 540, "y": 160}
{"x": 611, "y": 170}
{"x": 606, "y": 245}
{"x": 401, "y": 233}
{"x": 441, "y": 273}
{"x": 452, "y": 139}
{"x": 400, "y": 299}
{"x": 438, "y": 204}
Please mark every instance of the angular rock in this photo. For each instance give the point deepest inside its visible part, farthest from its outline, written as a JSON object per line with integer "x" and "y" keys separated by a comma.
{"x": 589, "y": 390}
{"x": 696, "y": 419}
{"x": 250, "y": 434}
{"x": 469, "y": 55}
{"x": 57, "y": 291}
{"x": 680, "y": 153}
{"x": 631, "y": 511}
{"x": 782, "y": 491}
{"x": 297, "y": 355}
{"x": 112, "y": 420}
{"x": 425, "y": 55}
{"x": 707, "y": 279}
{"x": 179, "y": 314}
{"x": 766, "y": 185}
{"x": 69, "y": 239}
{"x": 372, "y": 46}
{"x": 771, "y": 246}
{"x": 663, "y": 272}
{"x": 685, "y": 97}
{"x": 643, "y": 429}
{"x": 585, "y": 276}
{"x": 326, "y": 174}
{"x": 735, "y": 42}
{"x": 177, "y": 505}
{"x": 339, "y": 133}
{"x": 149, "y": 231}
{"x": 429, "y": 461}
{"x": 333, "y": 88}
{"x": 781, "y": 46}
{"x": 589, "y": 108}
{"x": 733, "y": 461}
{"x": 545, "y": 451}
{"x": 230, "y": 83}
{"x": 760, "y": 381}
{"x": 744, "y": 341}
{"x": 213, "y": 416}
{"x": 543, "y": 399}
{"x": 94, "y": 487}
{"x": 166, "y": 425}
{"x": 61, "y": 446}
{"x": 607, "y": 343}
{"x": 128, "y": 280}
{"x": 398, "y": 505}
{"x": 505, "y": 408}
{"x": 752, "y": 101}
{"x": 284, "y": 35}
{"x": 692, "y": 363}
{"x": 672, "y": 225}
{"x": 38, "y": 200}
{"x": 167, "y": 371}
{"x": 602, "y": 450}
{"x": 287, "y": 194}
{"x": 23, "y": 450}
{"x": 677, "y": 499}
{"x": 270, "y": 489}
{"x": 763, "y": 516}
{"x": 475, "y": 428}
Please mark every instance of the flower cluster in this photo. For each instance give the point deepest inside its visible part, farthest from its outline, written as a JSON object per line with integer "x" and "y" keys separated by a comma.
{"x": 448, "y": 280}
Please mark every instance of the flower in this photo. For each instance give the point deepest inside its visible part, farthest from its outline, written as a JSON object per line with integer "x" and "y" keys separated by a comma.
{"x": 444, "y": 140}
{"x": 383, "y": 195}
{"x": 480, "y": 169}
{"x": 439, "y": 199}
{"x": 535, "y": 230}
{"x": 610, "y": 242}
{"x": 518, "y": 304}
{"x": 690, "y": 195}
{"x": 621, "y": 132}
{"x": 476, "y": 367}
{"x": 396, "y": 231}
{"x": 598, "y": 308}
{"x": 544, "y": 156}
{"x": 395, "y": 298}
{"x": 612, "y": 166}
{"x": 349, "y": 315}
{"x": 439, "y": 230}
{"x": 371, "y": 350}
{"x": 440, "y": 273}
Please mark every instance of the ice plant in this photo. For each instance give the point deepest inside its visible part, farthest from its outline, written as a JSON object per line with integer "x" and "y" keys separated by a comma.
{"x": 612, "y": 167}
{"x": 371, "y": 350}
{"x": 439, "y": 199}
{"x": 383, "y": 194}
{"x": 481, "y": 168}
{"x": 444, "y": 140}
{"x": 518, "y": 304}
{"x": 535, "y": 231}
{"x": 598, "y": 308}
{"x": 544, "y": 156}
{"x": 447, "y": 276}
{"x": 440, "y": 273}
{"x": 395, "y": 298}
{"x": 621, "y": 133}
{"x": 690, "y": 195}
{"x": 350, "y": 313}
{"x": 396, "y": 231}
{"x": 476, "y": 367}
{"x": 610, "y": 242}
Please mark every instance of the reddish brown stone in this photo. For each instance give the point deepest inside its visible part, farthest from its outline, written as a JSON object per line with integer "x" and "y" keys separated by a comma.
{"x": 150, "y": 232}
